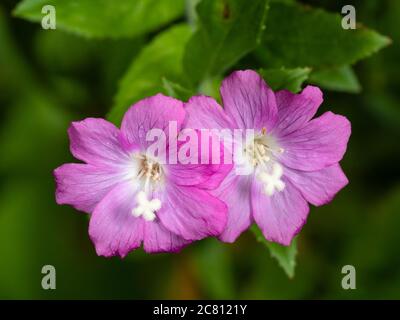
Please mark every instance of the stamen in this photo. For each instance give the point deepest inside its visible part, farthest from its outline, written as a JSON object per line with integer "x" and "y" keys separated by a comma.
{"x": 151, "y": 171}
{"x": 263, "y": 149}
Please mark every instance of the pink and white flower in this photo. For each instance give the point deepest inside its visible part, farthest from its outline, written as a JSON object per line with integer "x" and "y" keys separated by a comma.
{"x": 134, "y": 198}
{"x": 294, "y": 159}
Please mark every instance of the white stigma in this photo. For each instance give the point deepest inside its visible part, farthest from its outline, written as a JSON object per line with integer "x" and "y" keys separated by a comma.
{"x": 150, "y": 171}
{"x": 272, "y": 181}
{"x": 145, "y": 207}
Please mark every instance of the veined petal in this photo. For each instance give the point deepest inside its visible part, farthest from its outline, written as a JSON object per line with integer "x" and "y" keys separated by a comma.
{"x": 280, "y": 216}
{"x": 203, "y": 176}
{"x": 158, "y": 239}
{"x": 97, "y": 142}
{"x": 192, "y": 213}
{"x": 319, "y": 144}
{"x": 235, "y": 192}
{"x": 205, "y": 113}
{"x": 318, "y": 187}
{"x": 249, "y": 101}
{"x": 112, "y": 228}
{"x": 83, "y": 185}
{"x": 295, "y": 110}
{"x": 156, "y": 112}
{"x": 207, "y": 167}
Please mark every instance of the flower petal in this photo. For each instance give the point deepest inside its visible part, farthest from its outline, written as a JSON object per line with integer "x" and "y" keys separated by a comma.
{"x": 249, "y": 101}
{"x": 96, "y": 141}
{"x": 207, "y": 167}
{"x": 295, "y": 110}
{"x": 83, "y": 185}
{"x": 158, "y": 239}
{"x": 205, "y": 113}
{"x": 280, "y": 216}
{"x": 203, "y": 176}
{"x": 192, "y": 213}
{"x": 112, "y": 228}
{"x": 318, "y": 187}
{"x": 319, "y": 144}
{"x": 235, "y": 192}
{"x": 155, "y": 112}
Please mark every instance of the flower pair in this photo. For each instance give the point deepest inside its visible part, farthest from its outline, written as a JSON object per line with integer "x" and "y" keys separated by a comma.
{"x": 134, "y": 198}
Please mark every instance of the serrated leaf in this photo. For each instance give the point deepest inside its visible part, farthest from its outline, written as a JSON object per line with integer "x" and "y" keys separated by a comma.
{"x": 337, "y": 79}
{"x": 105, "y": 18}
{"x": 286, "y": 256}
{"x": 160, "y": 59}
{"x": 300, "y": 36}
{"x": 289, "y": 79}
{"x": 227, "y": 30}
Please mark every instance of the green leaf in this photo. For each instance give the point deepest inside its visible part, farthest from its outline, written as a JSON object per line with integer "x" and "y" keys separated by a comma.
{"x": 290, "y": 79}
{"x": 300, "y": 36}
{"x": 227, "y": 30}
{"x": 337, "y": 79}
{"x": 286, "y": 256}
{"x": 161, "y": 58}
{"x": 176, "y": 90}
{"x": 105, "y": 18}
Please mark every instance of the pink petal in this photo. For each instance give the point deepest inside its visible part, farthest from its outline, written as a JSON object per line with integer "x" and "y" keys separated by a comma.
{"x": 280, "y": 216}
{"x": 155, "y": 112}
{"x": 295, "y": 110}
{"x": 249, "y": 101}
{"x": 235, "y": 192}
{"x": 192, "y": 213}
{"x": 319, "y": 144}
{"x": 318, "y": 187}
{"x": 96, "y": 141}
{"x": 112, "y": 228}
{"x": 83, "y": 185}
{"x": 202, "y": 176}
{"x": 158, "y": 239}
{"x": 205, "y": 113}
{"x": 201, "y": 171}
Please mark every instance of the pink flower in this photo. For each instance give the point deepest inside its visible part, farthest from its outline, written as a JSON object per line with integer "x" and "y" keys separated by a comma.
{"x": 293, "y": 158}
{"x": 134, "y": 198}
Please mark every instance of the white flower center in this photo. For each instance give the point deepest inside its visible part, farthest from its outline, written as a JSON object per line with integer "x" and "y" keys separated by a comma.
{"x": 149, "y": 174}
{"x": 262, "y": 155}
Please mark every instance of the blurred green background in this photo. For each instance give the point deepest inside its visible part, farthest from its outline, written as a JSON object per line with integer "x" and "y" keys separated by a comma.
{"x": 50, "y": 77}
